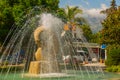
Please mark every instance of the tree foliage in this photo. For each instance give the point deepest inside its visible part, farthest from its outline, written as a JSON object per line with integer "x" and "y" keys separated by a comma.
{"x": 110, "y": 34}
{"x": 95, "y": 37}
{"x": 11, "y": 11}
{"x": 111, "y": 26}
{"x": 87, "y": 32}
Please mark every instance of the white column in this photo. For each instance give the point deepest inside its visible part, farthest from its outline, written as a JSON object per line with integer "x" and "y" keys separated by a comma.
{"x": 105, "y": 54}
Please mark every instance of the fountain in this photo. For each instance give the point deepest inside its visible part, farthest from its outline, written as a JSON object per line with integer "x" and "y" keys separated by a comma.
{"x": 46, "y": 53}
{"x": 36, "y": 50}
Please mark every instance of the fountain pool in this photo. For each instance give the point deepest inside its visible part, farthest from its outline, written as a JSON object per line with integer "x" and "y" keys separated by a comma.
{"x": 20, "y": 76}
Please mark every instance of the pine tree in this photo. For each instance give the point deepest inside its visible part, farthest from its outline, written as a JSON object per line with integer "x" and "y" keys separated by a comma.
{"x": 113, "y": 7}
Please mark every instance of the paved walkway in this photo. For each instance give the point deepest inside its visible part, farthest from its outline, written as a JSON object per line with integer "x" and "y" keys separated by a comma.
{"x": 95, "y": 64}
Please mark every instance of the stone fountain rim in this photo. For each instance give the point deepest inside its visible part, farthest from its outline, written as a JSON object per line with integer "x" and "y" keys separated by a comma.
{"x": 48, "y": 75}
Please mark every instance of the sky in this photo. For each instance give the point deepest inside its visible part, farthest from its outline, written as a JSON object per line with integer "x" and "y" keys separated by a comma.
{"x": 91, "y": 10}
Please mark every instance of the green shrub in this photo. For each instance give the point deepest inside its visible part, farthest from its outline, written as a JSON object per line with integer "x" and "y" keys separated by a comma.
{"x": 5, "y": 63}
{"x": 10, "y": 68}
{"x": 113, "y": 69}
{"x": 109, "y": 69}
{"x": 113, "y": 55}
{"x": 119, "y": 69}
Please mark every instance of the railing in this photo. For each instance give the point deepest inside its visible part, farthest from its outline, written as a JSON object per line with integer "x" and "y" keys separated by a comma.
{"x": 83, "y": 44}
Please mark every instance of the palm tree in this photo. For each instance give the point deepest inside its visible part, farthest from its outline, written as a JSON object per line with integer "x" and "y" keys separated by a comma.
{"x": 71, "y": 12}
